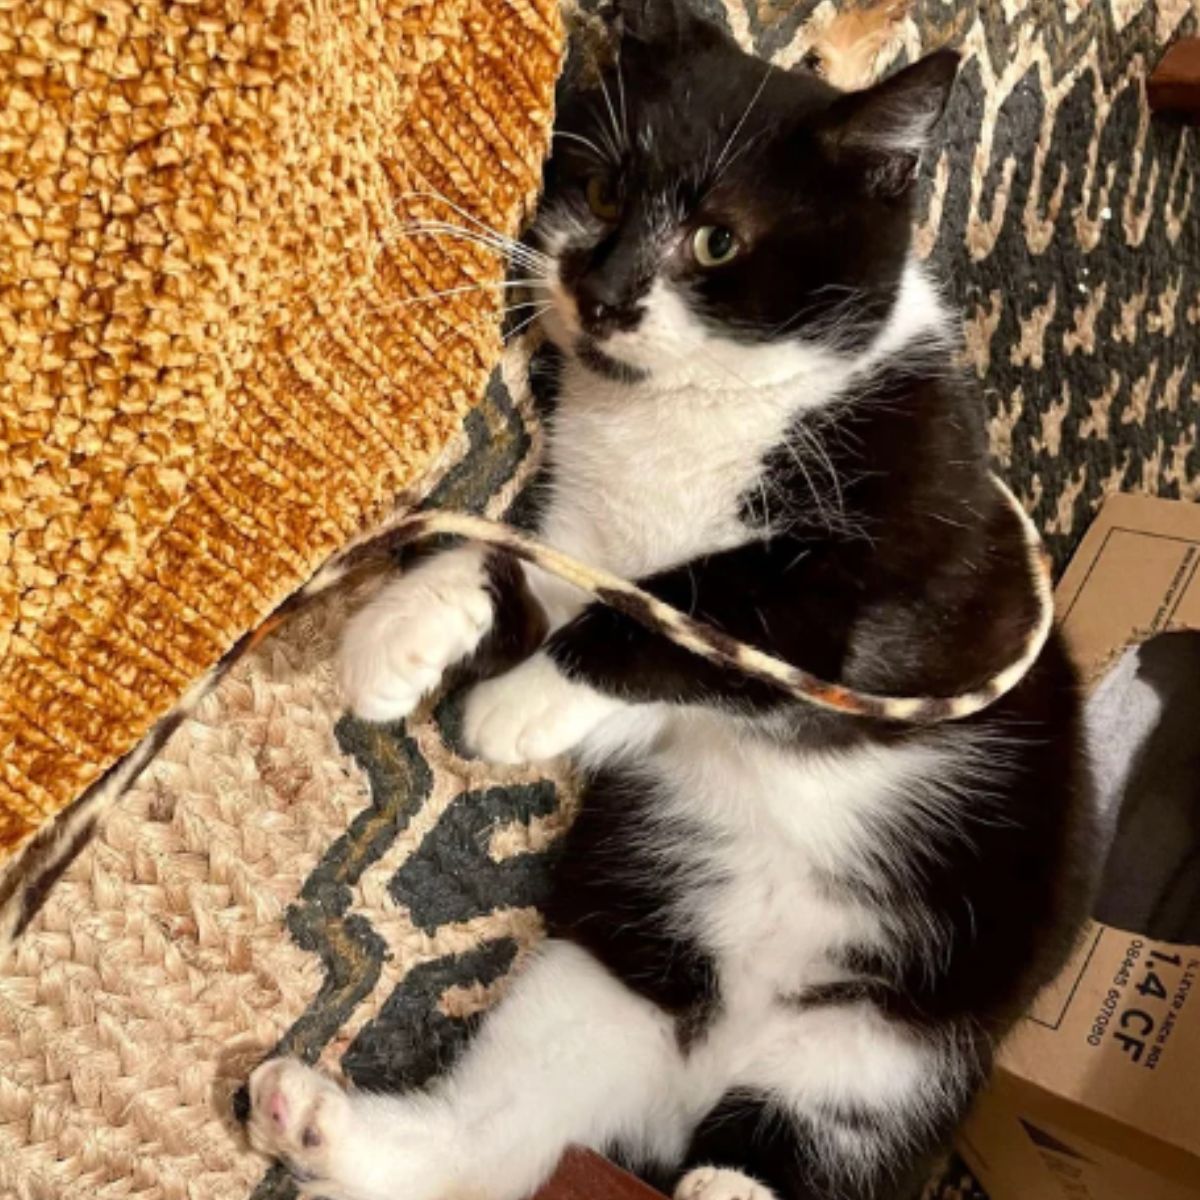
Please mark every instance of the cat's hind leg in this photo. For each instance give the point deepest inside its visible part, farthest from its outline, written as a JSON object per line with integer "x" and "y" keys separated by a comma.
{"x": 833, "y": 1103}
{"x": 570, "y": 1056}
{"x": 753, "y": 1147}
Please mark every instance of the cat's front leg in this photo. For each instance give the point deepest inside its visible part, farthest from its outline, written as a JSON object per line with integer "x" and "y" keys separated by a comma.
{"x": 532, "y": 712}
{"x": 464, "y": 604}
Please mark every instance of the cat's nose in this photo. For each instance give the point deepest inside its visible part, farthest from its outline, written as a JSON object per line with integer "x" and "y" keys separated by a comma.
{"x": 601, "y": 315}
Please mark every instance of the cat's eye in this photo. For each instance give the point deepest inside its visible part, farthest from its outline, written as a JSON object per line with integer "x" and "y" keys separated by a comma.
{"x": 714, "y": 245}
{"x": 604, "y": 197}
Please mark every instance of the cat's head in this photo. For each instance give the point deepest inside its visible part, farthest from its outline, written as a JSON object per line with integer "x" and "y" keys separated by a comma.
{"x": 702, "y": 207}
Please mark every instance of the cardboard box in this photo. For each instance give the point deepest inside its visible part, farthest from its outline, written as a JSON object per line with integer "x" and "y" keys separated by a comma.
{"x": 1096, "y": 1095}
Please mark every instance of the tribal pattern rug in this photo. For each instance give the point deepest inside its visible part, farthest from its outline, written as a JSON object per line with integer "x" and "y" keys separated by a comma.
{"x": 286, "y": 876}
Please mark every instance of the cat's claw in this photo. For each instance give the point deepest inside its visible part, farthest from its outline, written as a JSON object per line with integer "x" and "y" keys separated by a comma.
{"x": 532, "y": 713}
{"x": 298, "y": 1116}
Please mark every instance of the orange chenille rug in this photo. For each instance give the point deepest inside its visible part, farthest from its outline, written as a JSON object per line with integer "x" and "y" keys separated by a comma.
{"x": 218, "y": 352}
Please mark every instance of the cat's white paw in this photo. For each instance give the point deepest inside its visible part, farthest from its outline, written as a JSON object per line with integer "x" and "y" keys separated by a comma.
{"x": 720, "y": 1183}
{"x": 531, "y": 713}
{"x": 300, "y": 1117}
{"x": 398, "y": 647}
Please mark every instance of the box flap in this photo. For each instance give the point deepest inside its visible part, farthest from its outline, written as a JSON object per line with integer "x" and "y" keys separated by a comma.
{"x": 1135, "y": 574}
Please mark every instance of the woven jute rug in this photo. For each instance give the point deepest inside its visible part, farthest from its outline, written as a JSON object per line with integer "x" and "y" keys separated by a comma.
{"x": 283, "y": 875}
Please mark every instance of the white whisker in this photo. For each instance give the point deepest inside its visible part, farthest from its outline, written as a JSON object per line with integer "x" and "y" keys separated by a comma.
{"x": 583, "y": 141}
{"x": 612, "y": 114}
{"x": 430, "y": 297}
{"x": 512, "y": 333}
{"x": 482, "y": 226}
{"x": 462, "y": 329}
{"x": 742, "y": 120}
{"x": 524, "y": 255}
{"x": 430, "y": 194}
{"x": 745, "y": 147}
{"x": 612, "y": 148}
{"x": 621, "y": 96}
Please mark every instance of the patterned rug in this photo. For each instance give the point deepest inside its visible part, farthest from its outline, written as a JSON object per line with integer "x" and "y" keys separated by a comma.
{"x": 284, "y": 875}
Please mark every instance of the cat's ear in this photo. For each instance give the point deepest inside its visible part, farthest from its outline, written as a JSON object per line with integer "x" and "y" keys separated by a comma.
{"x": 885, "y": 128}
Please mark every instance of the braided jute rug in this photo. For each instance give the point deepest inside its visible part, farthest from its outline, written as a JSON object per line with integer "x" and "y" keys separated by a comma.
{"x": 285, "y": 875}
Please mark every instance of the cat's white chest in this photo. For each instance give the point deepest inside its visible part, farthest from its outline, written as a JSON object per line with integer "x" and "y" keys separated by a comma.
{"x": 771, "y": 829}
{"x": 642, "y": 482}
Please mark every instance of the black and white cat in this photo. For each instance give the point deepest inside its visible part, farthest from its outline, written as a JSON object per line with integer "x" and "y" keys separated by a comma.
{"x": 783, "y": 942}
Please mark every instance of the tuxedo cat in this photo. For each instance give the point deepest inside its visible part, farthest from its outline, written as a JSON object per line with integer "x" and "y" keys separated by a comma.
{"x": 783, "y": 942}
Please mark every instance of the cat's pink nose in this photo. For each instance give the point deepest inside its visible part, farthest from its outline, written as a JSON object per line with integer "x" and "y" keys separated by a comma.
{"x": 277, "y": 1109}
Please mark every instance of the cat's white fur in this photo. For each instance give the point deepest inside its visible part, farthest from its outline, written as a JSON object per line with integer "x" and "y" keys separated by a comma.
{"x": 719, "y": 1183}
{"x": 645, "y": 477}
{"x": 397, "y": 648}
